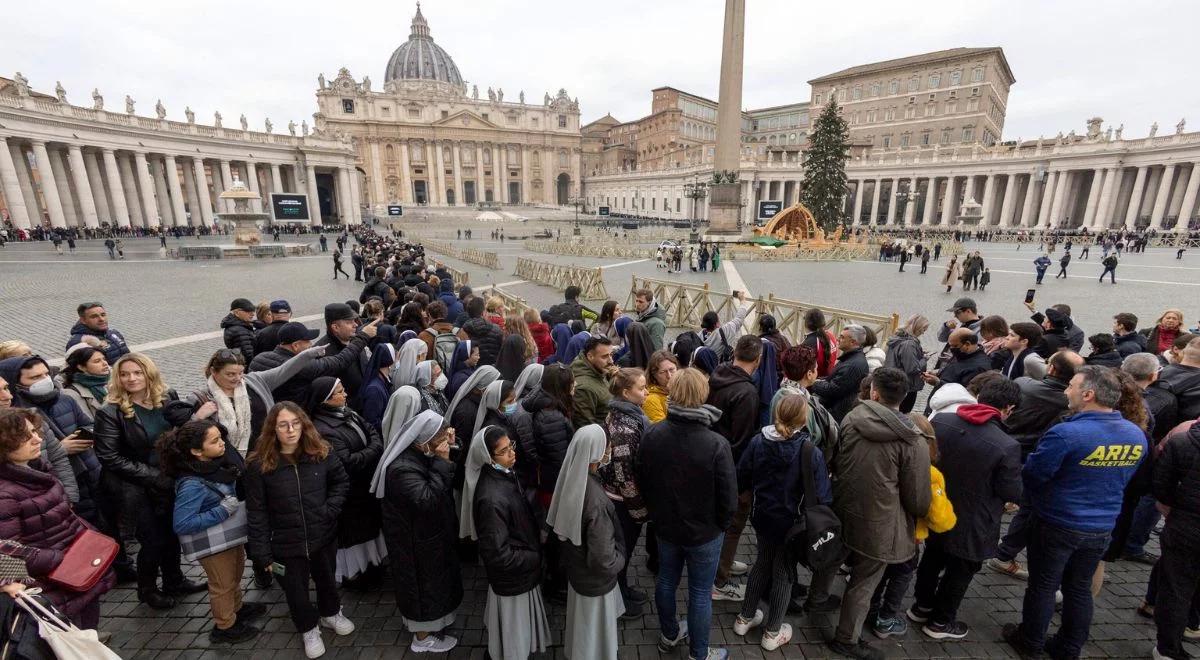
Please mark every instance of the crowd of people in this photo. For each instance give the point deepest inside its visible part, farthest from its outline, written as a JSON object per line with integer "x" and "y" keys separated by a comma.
{"x": 428, "y": 427}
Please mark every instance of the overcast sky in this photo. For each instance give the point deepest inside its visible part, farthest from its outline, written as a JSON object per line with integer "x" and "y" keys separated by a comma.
{"x": 1072, "y": 59}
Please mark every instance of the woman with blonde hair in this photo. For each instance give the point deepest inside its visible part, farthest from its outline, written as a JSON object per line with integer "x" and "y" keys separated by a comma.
{"x": 493, "y": 311}
{"x": 127, "y": 428}
{"x": 262, "y": 315}
{"x": 295, "y": 490}
{"x": 1169, "y": 326}
{"x": 14, "y": 348}
{"x": 514, "y": 324}
{"x": 904, "y": 352}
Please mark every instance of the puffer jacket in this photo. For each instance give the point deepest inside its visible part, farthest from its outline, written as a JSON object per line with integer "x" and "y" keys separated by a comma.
{"x": 591, "y": 394}
{"x": 239, "y": 336}
{"x": 1184, "y": 382}
{"x": 882, "y": 486}
{"x": 1043, "y": 402}
{"x": 1130, "y": 343}
{"x": 770, "y": 468}
{"x": 904, "y": 352}
{"x": 1176, "y": 484}
{"x": 510, "y": 543}
{"x": 293, "y": 510}
{"x": 543, "y": 341}
{"x": 113, "y": 343}
{"x": 267, "y": 339}
{"x": 549, "y": 434}
{"x": 487, "y": 335}
{"x": 732, "y": 391}
{"x": 420, "y": 527}
{"x": 593, "y": 566}
{"x": 358, "y": 448}
{"x": 34, "y": 511}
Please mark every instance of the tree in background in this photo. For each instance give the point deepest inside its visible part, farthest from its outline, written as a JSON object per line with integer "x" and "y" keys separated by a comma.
{"x": 825, "y": 168}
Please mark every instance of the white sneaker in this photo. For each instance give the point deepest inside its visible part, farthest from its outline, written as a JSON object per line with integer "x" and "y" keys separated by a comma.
{"x": 739, "y": 568}
{"x": 771, "y": 642}
{"x": 313, "y": 646}
{"x": 731, "y": 591}
{"x": 1191, "y": 633}
{"x": 433, "y": 644}
{"x": 741, "y": 627}
{"x": 339, "y": 623}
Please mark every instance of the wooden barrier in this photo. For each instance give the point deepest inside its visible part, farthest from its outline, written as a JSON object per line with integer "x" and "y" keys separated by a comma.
{"x": 589, "y": 280}
{"x": 588, "y": 249}
{"x": 836, "y": 252}
{"x": 479, "y": 257}
{"x": 460, "y": 277}
{"x": 686, "y": 304}
{"x": 511, "y": 302}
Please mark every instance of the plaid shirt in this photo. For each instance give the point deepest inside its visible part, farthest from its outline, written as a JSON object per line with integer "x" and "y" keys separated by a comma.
{"x": 13, "y": 556}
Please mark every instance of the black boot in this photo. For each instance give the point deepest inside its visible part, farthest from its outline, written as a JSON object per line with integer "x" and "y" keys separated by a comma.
{"x": 185, "y": 587}
{"x": 156, "y": 599}
{"x": 239, "y": 632}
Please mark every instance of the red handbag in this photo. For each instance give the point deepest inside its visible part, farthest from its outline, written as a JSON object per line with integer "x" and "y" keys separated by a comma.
{"x": 85, "y": 561}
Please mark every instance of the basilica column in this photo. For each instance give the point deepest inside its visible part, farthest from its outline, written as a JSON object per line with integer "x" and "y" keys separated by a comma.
{"x": 931, "y": 199}
{"x": 206, "y": 211}
{"x": 1027, "y": 203}
{"x": 459, "y": 198}
{"x": 17, "y": 210}
{"x": 948, "y": 202}
{"x": 314, "y": 197}
{"x": 502, "y": 154}
{"x": 526, "y": 189}
{"x": 62, "y": 183}
{"x": 137, "y": 217}
{"x": 892, "y": 199}
{"x": 440, "y": 176}
{"x": 1160, "y": 201}
{"x": 342, "y": 193}
{"x": 115, "y": 194}
{"x": 1008, "y": 207}
{"x": 878, "y": 183}
{"x": 378, "y": 191}
{"x": 855, "y": 218}
{"x": 49, "y": 188}
{"x": 165, "y": 210}
{"x": 480, "y": 177}
{"x": 1060, "y": 198}
{"x": 147, "y": 186}
{"x": 406, "y": 186}
{"x": 1135, "y": 197}
{"x": 1189, "y": 199}
{"x": 1093, "y": 198}
{"x": 104, "y": 211}
{"x": 171, "y": 169}
{"x": 83, "y": 189}
{"x": 355, "y": 195}
{"x": 497, "y": 193}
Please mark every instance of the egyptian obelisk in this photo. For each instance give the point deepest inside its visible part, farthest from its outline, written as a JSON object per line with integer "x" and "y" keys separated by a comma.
{"x": 725, "y": 197}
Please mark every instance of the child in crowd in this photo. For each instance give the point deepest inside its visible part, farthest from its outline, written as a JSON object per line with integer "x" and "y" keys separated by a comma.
{"x": 985, "y": 279}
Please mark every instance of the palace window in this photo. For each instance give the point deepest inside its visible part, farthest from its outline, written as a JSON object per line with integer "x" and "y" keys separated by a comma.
{"x": 951, "y": 107}
{"x": 562, "y": 121}
{"x": 977, "y": 75}
{"x": 875, "y": 88}
{"x": 935, "y": 80}
{"x": 534, "y": 121}
{"x": 974, "y": 91}
{"x": 894, "y": 87}
{"x": 925, "y": 139}
{"x": 818, "y": 99}
{"x": 857, "y": 92}
{"x": 387, "y": 111}
{"x": 910, "y": 112}
{"x": 904, "y": 140}
{"x": 887, "y": 142}
{"x": 913, "y": 83}
{"x": 968, "y": 134}
{"x": 348, "y": 106}
{"x": 955, "y": 77}
{"x": 947, "y": 135}
{"x": 930, "y": 110}
{"x": 841, "y": 95}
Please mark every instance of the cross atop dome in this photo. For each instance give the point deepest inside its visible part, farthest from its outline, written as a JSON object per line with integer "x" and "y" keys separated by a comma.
{"x": 420, "y": 27}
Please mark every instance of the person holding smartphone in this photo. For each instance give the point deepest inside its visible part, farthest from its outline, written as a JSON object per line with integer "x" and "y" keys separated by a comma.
{"x": 415, "y": 482}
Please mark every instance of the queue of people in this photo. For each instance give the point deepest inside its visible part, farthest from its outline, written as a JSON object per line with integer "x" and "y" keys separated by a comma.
{"x": 426, "y": 428}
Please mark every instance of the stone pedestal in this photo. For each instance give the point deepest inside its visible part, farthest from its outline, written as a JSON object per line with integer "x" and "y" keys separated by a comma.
{"x": 245, "y": 227}
{"x": 724, "y": 208}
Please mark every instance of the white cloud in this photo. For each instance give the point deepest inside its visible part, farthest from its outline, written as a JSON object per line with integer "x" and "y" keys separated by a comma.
{"x": 1072, "y": 59}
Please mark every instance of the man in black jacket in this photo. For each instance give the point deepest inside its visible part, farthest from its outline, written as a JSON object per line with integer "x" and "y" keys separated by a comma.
{"x": 341, "y": 325}
{"x": 1129, "y": 340}
{"x": 1176, "y": 484}
{"x": 1183, "y": 380}
{"x": 295, "y": 337}
{"x": 982, "y": 466}
{"x": 839, "y": 392}
{"x": 268, "y": 338}
{"x": 571, "y": 309}
{"x": 486, "y": 334}
{"x": 1043, "y": 403}
{"x": 732, "y": 391}
{"x": 239, "y": 329}
{"x": 967, "y": 360}
{"x": 377, "y": 287}
{"x": 1023, "y": 336}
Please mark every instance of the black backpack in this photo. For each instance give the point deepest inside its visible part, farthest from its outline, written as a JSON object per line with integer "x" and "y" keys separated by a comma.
{"x": 725, "y": 350}
{"x": 816, "y": 539}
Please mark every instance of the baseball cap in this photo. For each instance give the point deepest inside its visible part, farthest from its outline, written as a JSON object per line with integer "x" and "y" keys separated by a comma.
{"x": 281, "y": 306}
{"x": 295, "y": 331}
{"x": 241, "y": 304}
{"x": 963, "y": 303}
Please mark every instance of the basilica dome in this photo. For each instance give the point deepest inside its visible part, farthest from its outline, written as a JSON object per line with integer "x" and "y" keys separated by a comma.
{"x": 421, "y": 59}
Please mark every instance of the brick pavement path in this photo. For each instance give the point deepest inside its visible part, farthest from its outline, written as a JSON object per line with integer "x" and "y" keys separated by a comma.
{"x": 159, "y": 300}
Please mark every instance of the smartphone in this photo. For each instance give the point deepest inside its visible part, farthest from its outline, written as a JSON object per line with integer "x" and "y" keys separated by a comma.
{"x": 278, "y": 569}
{"x": 1029, "y": 294}
{"x": 84, "y": 433}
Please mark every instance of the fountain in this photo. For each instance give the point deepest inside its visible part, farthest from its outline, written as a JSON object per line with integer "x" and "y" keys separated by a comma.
{"x": 246, "y": 230}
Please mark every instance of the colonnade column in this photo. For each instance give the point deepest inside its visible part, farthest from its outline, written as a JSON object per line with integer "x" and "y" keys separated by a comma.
{"x": 137, "y": 217}
{"x": 989, "y": 200}
{"x": 172, "y": 172}
{"x": 1027, "y": 205}
{"x": 931, "y": 198}
{"x": 314, "y": 198}
{"x": 875, "y": 202}
{"x": 858, "y": 202}
{"x": 206, "y": 211}
{"x": 378, "y": 191}
{"x": 406, "y": 186}
{"x": 948, "y": 202}
{"x": 439, "y": 178}
{"x": 1189, "y": 199}
{"x": 277, "y": 180}
{"x": 25, "y": 181}
{"x": 147, "y": 188}
{"x": 910, "y": 204}
{"x": 49, "y": 189}
{"x": 252, "y": 174}
{"x": 497, "y": 193}
{"x": 355, "y": 195}
{"x": 343, "y": 196}
{"x": 83, "y": 187}
{"x": 1043, "y": 219}
{"x": 1009, "y": 205}
{"x": 166, "y": 211}
{"x": 115, "y": 194}
{"x": 1060, "y": 198}
{"x": 459, "y": 198}
{"x": 891, "y": 212}
{"x": 1093, "y": 198}
{"x": 17, "y": 210}
{"x": 223, "y": 183}
{"x": 64, "y": 187}
{"x": 1104, "y": 212}
{"x": 1160, "y": 200}
{"x": 104, "y": 211}
{"x": 1135, "y": 197}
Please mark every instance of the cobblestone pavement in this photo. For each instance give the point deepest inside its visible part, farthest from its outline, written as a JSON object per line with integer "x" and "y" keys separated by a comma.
{"x": 177, "y": 303}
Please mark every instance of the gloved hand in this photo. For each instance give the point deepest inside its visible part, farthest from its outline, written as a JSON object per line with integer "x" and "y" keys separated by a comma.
{"x": 230, "y": 504}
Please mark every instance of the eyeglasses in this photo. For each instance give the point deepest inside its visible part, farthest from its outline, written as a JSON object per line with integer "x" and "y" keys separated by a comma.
{"x": 288, "y": 426}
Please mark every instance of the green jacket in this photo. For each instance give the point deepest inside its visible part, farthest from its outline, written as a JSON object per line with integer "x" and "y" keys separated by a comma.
{"x": 591, "y": 394}
{"x": 655, "y": 320}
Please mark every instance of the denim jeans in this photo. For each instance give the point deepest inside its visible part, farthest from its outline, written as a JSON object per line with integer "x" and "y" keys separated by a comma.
{"x": 701, "y": 563}
{"x": 1017, "y": 536}
{"x": 1060, "y": 559}
{"x": 1145, "y": 517}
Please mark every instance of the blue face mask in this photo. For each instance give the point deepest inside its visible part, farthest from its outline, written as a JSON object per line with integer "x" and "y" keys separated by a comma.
{"x": 510, "y": 409}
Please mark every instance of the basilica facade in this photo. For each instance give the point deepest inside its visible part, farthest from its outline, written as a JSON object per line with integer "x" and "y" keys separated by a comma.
{"x": 426, "y": 138}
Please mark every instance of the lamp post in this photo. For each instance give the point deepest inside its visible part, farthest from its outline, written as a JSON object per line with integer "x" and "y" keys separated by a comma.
{"x": 576, "y": 202}
{"x": 695, "y": 191}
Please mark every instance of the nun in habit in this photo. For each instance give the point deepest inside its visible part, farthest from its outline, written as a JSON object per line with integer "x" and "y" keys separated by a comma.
{"x": 497, "y": 514}
{"x": 403, "y": 405}
{"x": 431, "y": 383}
{"x": 583, "y": 516}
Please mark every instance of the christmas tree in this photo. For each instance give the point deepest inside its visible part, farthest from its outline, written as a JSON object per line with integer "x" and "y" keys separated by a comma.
{"x": 825, "y": 168}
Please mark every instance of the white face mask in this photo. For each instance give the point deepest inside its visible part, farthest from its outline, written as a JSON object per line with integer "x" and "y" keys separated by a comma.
{"x": 42, "y": 387}
{"x": 441, "y": 382}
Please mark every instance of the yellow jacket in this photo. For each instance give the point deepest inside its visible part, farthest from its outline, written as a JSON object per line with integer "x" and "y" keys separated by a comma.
{"x": 941, "y": 512}
{"x": 655, "y": 405}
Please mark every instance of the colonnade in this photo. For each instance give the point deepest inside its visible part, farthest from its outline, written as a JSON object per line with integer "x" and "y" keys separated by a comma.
{"x": 78, "y": 185}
